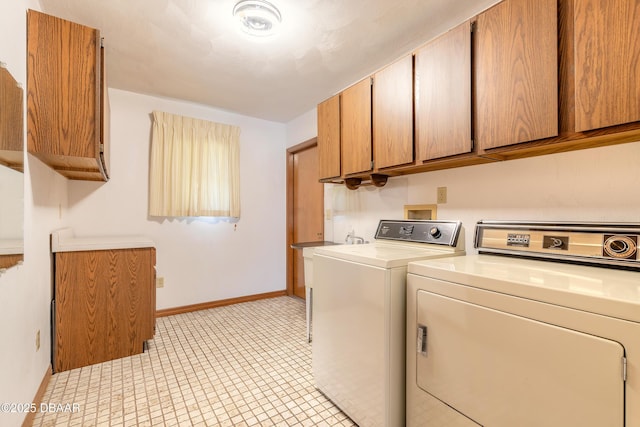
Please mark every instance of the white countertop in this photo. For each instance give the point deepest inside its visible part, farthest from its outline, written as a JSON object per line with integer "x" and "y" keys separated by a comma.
{"x": 65, "y": 241}
{"x": 11, "y": 247}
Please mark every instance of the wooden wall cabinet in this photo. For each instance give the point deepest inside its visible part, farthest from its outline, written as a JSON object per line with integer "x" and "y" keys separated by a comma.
{"x": 392, "y": 112}
{"x": 67, "y": 106}
{"x": 329, "y": 138}
{"x": 368, "y": 124}
{"x": 104, "y": 305}
{"x": 521, "y": 79}
{"x": 355, "y": 128}
{"x": 11, "y": 122}
{"x": 606, "y": 42}
{"x": 516, "y": 73}
{"x": 598, "y": 86}
{"x": 443, "y": 95}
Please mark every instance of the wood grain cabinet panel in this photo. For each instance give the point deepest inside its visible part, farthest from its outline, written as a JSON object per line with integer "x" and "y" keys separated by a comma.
{"x": 531, "y": 78}
{"x": 443, "y": 95}
{"x": 607, "y": 62}
{"x": 104, "y": 305}
{"x": 516, "y": 73}
{"x": 355, "y": 128}
{"x": 11, "y": 121}
{"x": 393, "y": 114}
{"x": 66, "y": 97}
{"x": 329, "y": 138}
{"x": 8, "y": 261}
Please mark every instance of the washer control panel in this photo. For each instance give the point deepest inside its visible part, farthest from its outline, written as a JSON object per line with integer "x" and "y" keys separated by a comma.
{"x": 420, "y": 231}
{"x": 614, "y": 244}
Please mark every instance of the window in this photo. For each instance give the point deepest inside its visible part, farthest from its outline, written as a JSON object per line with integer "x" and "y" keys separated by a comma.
{"x": 194, "y": 167}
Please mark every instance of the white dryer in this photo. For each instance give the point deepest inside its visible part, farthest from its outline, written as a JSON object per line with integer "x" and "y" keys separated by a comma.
{"x": 359, "y": 316}
{"x": 543, "y": 337}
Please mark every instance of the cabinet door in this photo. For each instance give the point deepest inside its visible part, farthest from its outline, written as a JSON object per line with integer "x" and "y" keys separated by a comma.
{"x": 64, "y": 96}
{"x": 393, "y": 114}
{"x": 105, "y": 305}
{"x": 355, "y": 128}
{"x": 607, "y": 68}
{"x": 11, "y": 122}
{"x": 503, "y": 370}
{"x": 516, "y": 70}
{"x": 443, "y": 95}
{"x": 329, "y": 138}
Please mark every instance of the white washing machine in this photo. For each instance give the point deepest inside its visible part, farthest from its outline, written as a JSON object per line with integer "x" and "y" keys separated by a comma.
{"x": 359, "y": 317}
{"x": 547, "y": 336}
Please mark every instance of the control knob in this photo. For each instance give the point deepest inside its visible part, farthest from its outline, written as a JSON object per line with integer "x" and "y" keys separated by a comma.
{"x": 620, "y": 246}
{"x": 435, "y": 232}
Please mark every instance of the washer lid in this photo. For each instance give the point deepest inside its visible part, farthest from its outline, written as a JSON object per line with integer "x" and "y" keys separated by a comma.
{"x": 386, "y": 254}
{"x": 605, "y": 291}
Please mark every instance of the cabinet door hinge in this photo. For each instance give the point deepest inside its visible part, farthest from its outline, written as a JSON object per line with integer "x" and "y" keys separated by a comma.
{"x": 624, "y": 368}
{"x": 371, "y": 80}
{"x": 371, "y": 164}
{"x": 473, "y": 26}
{"x": 102, "y": 148}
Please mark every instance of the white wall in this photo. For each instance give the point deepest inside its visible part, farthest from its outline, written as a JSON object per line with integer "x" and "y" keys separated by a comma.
{"x": 12, "y": 205}
{"x": 25, "y": 291}
{"x": 201, "y": 260}
{"x": 599, "y": 184}
{"x": 302, "y": 128}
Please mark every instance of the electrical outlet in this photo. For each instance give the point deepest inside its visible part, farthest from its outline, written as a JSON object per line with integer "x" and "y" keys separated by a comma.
{"x": 38, "y": 340}
{"x": 159, "y": 282}
{"x": 442, "y": 195}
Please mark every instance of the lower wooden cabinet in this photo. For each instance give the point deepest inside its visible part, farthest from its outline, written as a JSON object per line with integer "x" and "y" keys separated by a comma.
{"x": 104, "y": 305}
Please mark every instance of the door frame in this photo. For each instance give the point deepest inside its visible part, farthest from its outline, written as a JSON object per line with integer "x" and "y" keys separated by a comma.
{"x": 291, "y": 151}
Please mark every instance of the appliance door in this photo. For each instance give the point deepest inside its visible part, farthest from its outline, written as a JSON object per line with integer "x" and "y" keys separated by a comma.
{"x": 359, "y": 339}
{"x": 503, "y": 370}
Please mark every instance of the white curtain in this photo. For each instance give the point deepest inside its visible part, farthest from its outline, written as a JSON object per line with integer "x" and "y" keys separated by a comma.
{"x": 194, "y": 167}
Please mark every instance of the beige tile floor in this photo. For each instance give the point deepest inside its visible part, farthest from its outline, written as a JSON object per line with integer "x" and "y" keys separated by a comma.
{"x": 242, "y": 365}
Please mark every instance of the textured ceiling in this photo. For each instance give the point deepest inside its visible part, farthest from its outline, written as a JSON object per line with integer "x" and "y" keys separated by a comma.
{"x": 192, "y": 50}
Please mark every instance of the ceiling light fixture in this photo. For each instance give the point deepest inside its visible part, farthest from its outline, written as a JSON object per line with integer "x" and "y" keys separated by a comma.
{"x": 257, "y": 17}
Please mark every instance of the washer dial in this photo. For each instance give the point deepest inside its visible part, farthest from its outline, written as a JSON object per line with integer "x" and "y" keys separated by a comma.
{"x": 617, "y": 246}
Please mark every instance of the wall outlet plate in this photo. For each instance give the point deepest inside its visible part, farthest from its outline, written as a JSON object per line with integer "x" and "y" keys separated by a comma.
{"x": 442, "y": 195}
{"x": 159, "y": 282}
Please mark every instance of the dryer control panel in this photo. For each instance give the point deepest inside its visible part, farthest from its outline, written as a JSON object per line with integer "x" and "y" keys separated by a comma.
{"x": 610, "y": 244}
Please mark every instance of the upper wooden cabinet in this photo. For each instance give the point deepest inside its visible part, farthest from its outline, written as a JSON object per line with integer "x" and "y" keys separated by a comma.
{"x": 355, "y": 128}
{"x": 329, "y": 138}
{"x": 443, "y": 95}
{"x": 66, "y": 97}
{"x": 521, "y": 79}
{"x": 11, "y": 121}
{"x": 607, "y": 68}
{"x": 393, "y": 114}
{"x": 516, "y": 73}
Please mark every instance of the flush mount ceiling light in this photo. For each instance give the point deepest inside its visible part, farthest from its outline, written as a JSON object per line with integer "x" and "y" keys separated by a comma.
{"x": 257, "y": 17}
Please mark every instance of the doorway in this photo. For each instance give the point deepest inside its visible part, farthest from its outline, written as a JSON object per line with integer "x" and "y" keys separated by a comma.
{"x": 305, "y": 209}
